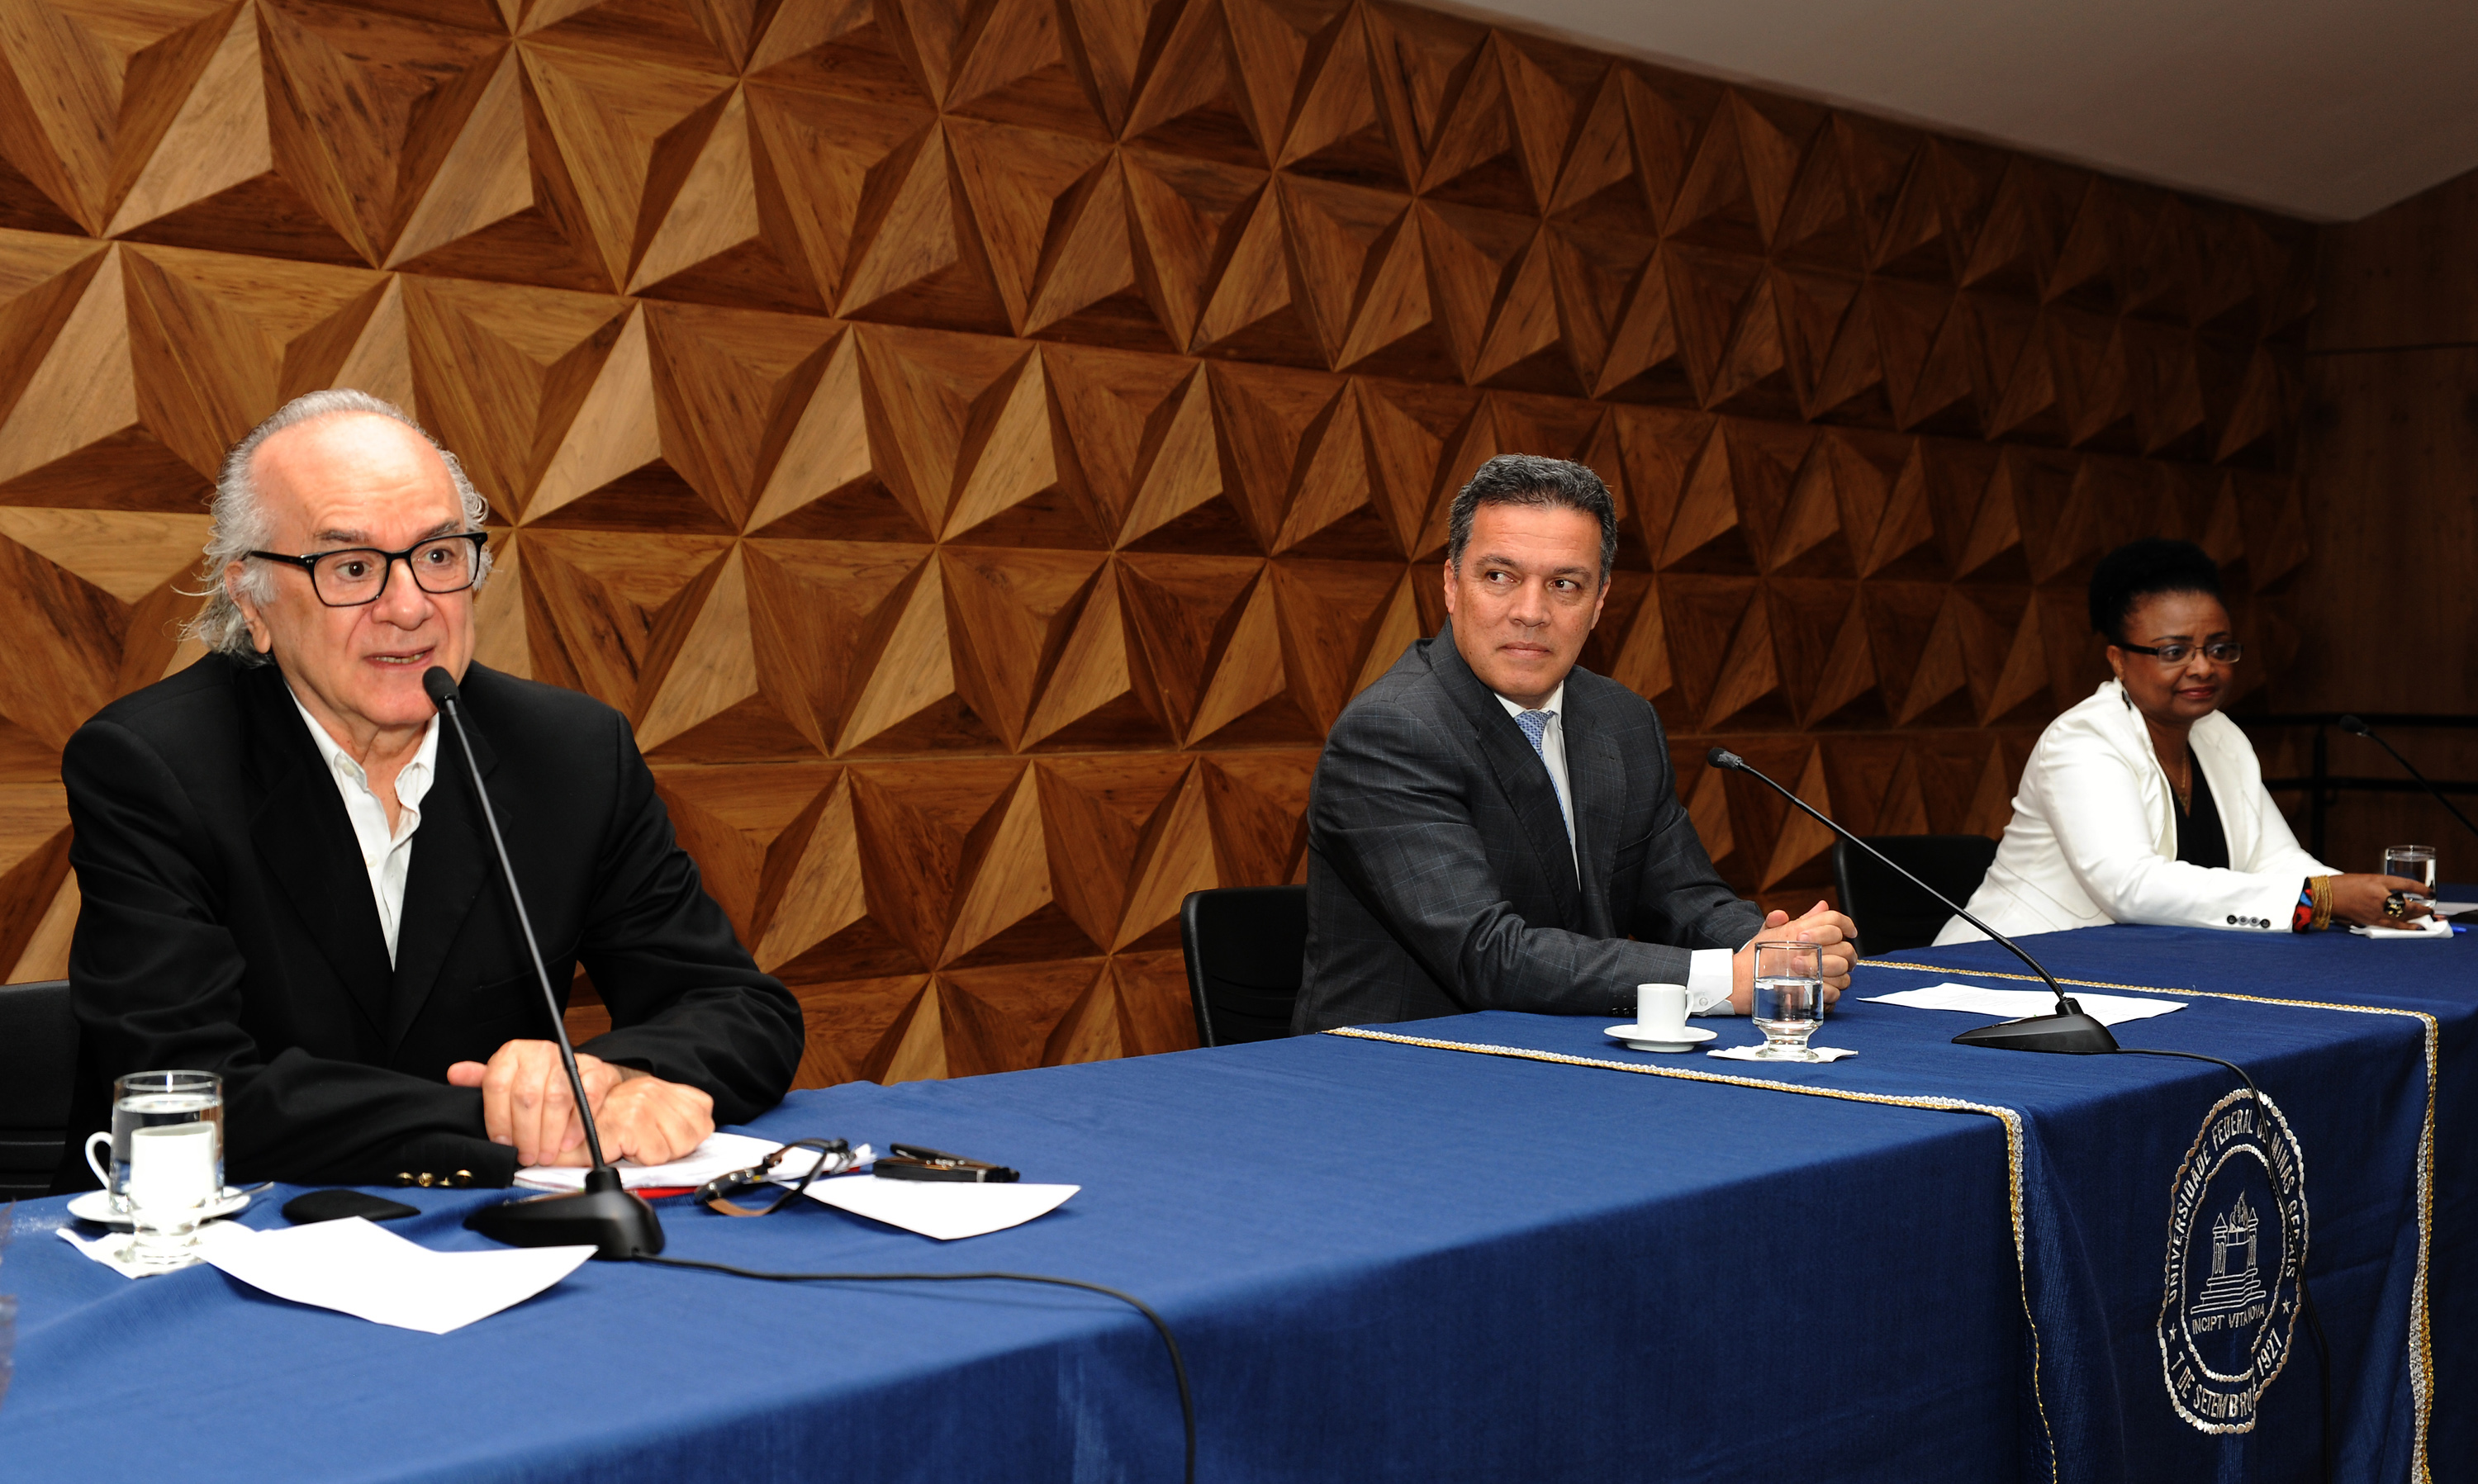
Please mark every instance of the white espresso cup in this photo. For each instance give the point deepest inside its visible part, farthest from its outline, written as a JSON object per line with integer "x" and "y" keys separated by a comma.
{"x": 1660, "y": 1011}
{"x": 173, "y": 1168}
{"x": 98, "y": 1157}
{"x": 173, "y": 1180}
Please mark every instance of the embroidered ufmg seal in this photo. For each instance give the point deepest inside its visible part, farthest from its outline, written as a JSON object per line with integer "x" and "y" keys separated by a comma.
{"x": 2237, "y": 1243}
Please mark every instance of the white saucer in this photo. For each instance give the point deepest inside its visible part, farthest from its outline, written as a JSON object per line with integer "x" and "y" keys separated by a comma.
{"x": 1693, "y": 1037}
{"x": 96, "y": 1206}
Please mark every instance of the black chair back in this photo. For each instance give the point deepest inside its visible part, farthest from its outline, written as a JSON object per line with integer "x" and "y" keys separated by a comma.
{"x": 37, "y": 1058}
{"x": 1891, "y": 913}
{"x": 1244, "y": 949}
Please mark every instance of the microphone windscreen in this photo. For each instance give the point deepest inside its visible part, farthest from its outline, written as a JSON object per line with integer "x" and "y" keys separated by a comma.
{"x": 440, "y": 686}
{"x": 1723, "y": 757}
{"x": 2355, "y": 727}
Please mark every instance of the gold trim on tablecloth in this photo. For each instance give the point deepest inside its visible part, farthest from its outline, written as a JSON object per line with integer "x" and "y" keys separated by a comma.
{"x": 2421, "y": 1338}
{"x": 2009, "y": 1119}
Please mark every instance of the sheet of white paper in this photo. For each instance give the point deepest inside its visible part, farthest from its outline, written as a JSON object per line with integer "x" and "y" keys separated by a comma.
{"x": 2014, "y": 1004}
{"x": 2427, "y": 927}
{"x": 355, "y": 1268}
{"x": 104, "y": 1248}
{"x": 720, "y": 1155}
{"x": 946, "y": 1210}
{"x": 2447, "y": 908}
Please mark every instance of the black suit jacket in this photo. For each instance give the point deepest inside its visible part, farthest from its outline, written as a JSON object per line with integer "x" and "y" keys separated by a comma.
{"x": 228, "y": 926}
{"x": 1439, "y": 877}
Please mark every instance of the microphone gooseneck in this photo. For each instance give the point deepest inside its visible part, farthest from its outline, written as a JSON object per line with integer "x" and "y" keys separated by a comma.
{"x": 2355, "y": 727}
{"x": 2069, "y": 1029}
{"x": 442, "y": 689}
{"x": 618, "y": 1224}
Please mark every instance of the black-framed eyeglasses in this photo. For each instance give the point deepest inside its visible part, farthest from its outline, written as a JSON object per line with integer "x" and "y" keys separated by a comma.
{"x": 2227, "y": 651}
{"x": 834, "y": 1156}
{"x": 355, "y": 575}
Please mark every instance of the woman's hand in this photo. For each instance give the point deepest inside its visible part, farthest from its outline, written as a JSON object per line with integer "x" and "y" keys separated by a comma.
{"x": 2360, "y": 899}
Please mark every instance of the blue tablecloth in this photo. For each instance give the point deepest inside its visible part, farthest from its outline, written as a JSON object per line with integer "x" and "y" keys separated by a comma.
{"x": 2433, "y": 980}
{"x": 1387, "y": 1261}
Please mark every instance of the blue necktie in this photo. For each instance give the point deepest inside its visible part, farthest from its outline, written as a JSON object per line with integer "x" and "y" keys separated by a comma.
{"x": 1536, "y": 727}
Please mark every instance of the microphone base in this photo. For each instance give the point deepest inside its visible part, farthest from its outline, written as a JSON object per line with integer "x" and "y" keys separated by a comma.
{"x": 2074, "y": 1034}
{"x": 616, "y": 1222}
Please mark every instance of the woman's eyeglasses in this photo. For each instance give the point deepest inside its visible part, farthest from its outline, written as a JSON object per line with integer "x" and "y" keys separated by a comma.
{"x": 2227, "y": 651}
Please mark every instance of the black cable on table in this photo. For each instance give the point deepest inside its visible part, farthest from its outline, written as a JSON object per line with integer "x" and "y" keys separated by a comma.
{"x": 1177, "y": 1364}
{"x": 2304, "y": 1294}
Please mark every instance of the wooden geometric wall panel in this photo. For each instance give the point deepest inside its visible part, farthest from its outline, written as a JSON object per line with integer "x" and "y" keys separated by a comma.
{"x": 982, "y": 448}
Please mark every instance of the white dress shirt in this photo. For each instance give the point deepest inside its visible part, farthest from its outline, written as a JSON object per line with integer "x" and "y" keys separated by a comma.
{"x": 386, "y": 855}
{"x": 1709, "y": 974}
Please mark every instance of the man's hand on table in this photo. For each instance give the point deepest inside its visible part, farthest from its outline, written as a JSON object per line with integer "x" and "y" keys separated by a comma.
{"x": 1822, "y": 926}
{"x": 650, "y": 1121}
{"x": 526, "y": 1103}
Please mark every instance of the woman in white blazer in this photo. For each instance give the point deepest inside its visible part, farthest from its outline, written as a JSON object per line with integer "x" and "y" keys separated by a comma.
{"x": 2144, "y": 803}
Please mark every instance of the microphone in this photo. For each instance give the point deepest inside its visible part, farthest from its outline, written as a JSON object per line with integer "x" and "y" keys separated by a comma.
{"x": 2067, "y": 1030}
{"x": 613, "y": 1220}
{"x": 2358, "y": 728}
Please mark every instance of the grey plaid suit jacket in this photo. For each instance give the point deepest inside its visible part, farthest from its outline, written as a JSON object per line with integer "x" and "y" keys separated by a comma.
{"x": 1439, "y": 879}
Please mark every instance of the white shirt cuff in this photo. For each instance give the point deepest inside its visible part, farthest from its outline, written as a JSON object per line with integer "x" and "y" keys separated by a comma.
{"x": 1710, "y": 976}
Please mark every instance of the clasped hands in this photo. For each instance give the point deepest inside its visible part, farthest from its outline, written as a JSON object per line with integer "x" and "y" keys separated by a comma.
{"x": 1822, "y": 926}
{"x": 527, "y": 1102}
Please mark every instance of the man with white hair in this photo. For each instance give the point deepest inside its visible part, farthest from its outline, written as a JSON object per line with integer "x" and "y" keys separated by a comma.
{"x": 286, "y": 881}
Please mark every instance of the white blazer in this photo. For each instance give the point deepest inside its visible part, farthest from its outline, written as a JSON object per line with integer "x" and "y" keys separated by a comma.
{"x": 2094, "y": 835}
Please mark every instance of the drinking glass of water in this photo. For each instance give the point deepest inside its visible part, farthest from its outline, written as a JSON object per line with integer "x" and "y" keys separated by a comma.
{"x": 2416, "y": 863}
{"x": 1789, "y": 999}
{"x": 145, "y": 1100}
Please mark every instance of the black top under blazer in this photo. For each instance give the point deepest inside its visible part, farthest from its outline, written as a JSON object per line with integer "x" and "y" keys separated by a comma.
{"x": 228, "y": 926}
{"x": 1439, "y": 878}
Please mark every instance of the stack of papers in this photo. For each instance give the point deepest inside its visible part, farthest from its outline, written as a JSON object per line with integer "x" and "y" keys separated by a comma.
{"x": 2014, "y": 1004}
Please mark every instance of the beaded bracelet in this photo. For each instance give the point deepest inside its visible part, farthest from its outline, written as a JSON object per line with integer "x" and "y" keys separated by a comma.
{"x": 2313, "y": 912}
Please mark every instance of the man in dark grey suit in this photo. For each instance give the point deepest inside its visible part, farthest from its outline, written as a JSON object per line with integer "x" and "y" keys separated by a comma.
{"x": 1494, "y": 828}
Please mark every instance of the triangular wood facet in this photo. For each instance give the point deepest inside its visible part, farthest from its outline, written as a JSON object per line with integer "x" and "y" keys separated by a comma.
{"x": 982, "y": 446}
